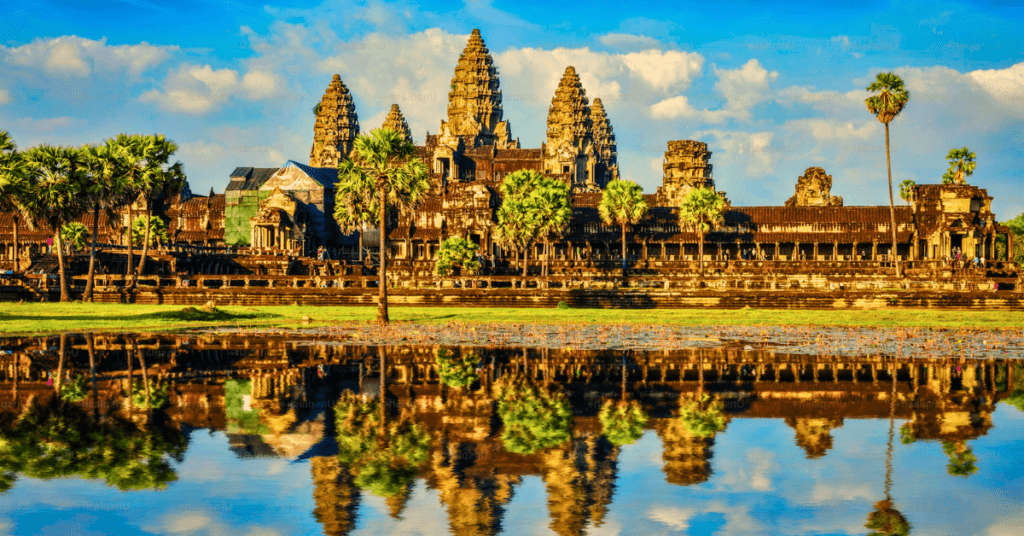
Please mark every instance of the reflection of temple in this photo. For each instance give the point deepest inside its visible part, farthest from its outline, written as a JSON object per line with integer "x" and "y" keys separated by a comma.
{"x": 468, "y": 466}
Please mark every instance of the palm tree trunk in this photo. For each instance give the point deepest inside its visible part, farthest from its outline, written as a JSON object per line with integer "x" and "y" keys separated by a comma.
{"x": 700, "y": 252}
{"x": 145, "y": 373}
{"x": 892, "y": 205}
{"x": 87, "y": 296}
{"x": 382, "y": 296}
{"x": 128, "y": 352}
{"x": 65, "y": 293}
{"x": 383, "y": 354}
{"x": 91, "y": 346}
{"x": 526, "y": 260}
{"x": 145, "y": 244}
{"x": 17, "y": 259}
{"x": 623, "y": 250}
{"x": 360, "y": 246}
{"x": 131, "y": 217}
{"x": 547, "y": 257}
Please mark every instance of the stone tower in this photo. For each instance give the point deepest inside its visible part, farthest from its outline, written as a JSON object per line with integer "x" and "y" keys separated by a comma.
{"x": 396, "y": 121}
{"x": 570, "y": 146}
{"x": 604, "y": 145}
{"x": 336, "y": 128}
{"x": 474, "y": 101}
{"x": 687, "y": 165}
{"x": 814, "y": 189}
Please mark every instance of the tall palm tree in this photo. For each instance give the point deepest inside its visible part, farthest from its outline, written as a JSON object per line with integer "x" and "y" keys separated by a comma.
{"x": 622, "y": 202}
{"x": 961, "y": 166}
{"x": 105, "y": 191}
{"x": 702, "y": 210}
{"x": 161, "y": 180}
{"x": 14, "y": 183}
{"x": 517, "y": 221}
{"x": 890, "y": 99}
{"x": 58, "y": 174}
{"x": 552, "y": 210}
{"x": 385, "y": 162}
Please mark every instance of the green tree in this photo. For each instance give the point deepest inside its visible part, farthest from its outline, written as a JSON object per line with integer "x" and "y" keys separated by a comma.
{"x": 622, "y": 203}
{"x": 907, "y": 190}
{"x": 385, "y": 162}
{"x": 14, "y": 184}
{"x": 58, "y": 175}
{"x": 157, "y": 178}
{"x": 74, "y": 235}
{"x": 702, "y": 210}
{"x": 106, "y": 190}
{"x": 518, "y": 223}
{"x": 457, "y": 253}
{"x": 551, "y": 208}
{"x": 355, "y": 206}
{"x": 1016, "y": 227}
{"x": 889, "y": 100}
{"x": 532, "y": 418}
{"x": 961, "y": 166}
{"x": 157, "y": 231}
{"x": 961, "y": 459}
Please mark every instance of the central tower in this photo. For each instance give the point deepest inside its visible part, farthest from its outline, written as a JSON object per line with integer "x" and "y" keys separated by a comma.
{"x": 474, "y": 102}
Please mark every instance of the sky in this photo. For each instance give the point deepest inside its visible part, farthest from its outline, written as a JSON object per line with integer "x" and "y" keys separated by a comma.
{"x": 772, "y": 89}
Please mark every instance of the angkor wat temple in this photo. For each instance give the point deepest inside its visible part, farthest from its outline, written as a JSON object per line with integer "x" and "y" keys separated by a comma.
{"x": 289, "y": 210}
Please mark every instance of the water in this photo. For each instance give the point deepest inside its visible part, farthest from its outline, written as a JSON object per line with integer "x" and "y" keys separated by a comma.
{"x": 285, "y": 436}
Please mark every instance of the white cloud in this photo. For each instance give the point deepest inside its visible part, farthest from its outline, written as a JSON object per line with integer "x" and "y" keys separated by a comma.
{"x": 1004, "y": 85}
{"x": 665, "y": 70}
{"x": 78, "y": 57}
{"x": 625, "y": 41}
{"x": 5, "y": 97}
{"x": 195, "y": 89}
{"x": 742, "y": 88}
{"x": 673, "y": 517}
{"x": 751, "y": 151}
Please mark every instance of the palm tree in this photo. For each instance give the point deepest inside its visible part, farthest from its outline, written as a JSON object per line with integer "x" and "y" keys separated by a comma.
{"x": 14, "y": 185}
{"x": 961, "y": 166}
{"x": 457, "y": 252}
{"x": 890, "y": 100}
{"x": 623, "y": 203}
{"x": 702, "y": 210}
{"x": 58, "y": 173}
{"x": 385, "y": 162}
{"x": 551, "y": 208}
{"x": 907, "y": 190}
{"x": 517, "y": 221}
{"x": 160, "y": 180}
{"x": 105, "y": 190}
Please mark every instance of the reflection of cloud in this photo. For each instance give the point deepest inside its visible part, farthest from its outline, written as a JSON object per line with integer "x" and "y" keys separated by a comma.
{"x": 198, "y": 522}
{"x": 829, "y": 493}
{"x": 672, "y": 516}
{"x": 753, "y": 475}
{"x": 1011, "y": 525}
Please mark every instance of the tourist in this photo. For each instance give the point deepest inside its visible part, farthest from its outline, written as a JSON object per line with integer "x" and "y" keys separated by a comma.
{"x": 981, "y": 262}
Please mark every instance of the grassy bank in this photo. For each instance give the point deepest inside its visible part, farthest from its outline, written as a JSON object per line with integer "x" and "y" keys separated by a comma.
{"x": 40, "y": 318}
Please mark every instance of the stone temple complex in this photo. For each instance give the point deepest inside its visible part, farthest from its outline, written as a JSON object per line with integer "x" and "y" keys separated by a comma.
{"x": 289, "y": 210}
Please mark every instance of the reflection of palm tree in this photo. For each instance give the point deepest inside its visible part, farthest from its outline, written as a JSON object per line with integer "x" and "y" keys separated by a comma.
{"x": 622, "y": 422}
{"x": 886, "y": 520}
{"x": 533, "y": 418}
{"x": 961, "y": 458}
{"x": 58, "y": 439}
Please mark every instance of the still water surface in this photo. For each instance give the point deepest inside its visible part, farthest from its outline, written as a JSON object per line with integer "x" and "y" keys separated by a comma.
{"x": 287, "y": 436}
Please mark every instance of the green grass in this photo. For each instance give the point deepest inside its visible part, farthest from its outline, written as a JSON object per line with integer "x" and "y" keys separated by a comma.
{"x": 42, "y": 318}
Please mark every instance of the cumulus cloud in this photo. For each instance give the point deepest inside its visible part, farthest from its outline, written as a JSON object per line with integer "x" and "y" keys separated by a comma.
{"x": 78, "y": 57}
{"x": 5, "y": 97}
{"x": 742, "y": 89}
{"x": 195, "y": 89}
{"x": 754, "y": 152}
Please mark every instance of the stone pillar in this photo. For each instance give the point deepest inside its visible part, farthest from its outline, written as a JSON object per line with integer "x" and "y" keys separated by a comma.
{"x": 835, "y": 250}
{"x": 776, "y": 253}
{"x": 874, "y": 250}
{"x": 815, "y": 251}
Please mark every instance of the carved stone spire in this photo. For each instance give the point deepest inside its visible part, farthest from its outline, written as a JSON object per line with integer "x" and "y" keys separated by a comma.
{"x": 604, "y": 145}
{"x": 569, "y": 148}
{"x": 396, "y": 121}
{"x": 337, "y": 126}
{"x": 687, "y": 165}
{"x": 474, "y": 101}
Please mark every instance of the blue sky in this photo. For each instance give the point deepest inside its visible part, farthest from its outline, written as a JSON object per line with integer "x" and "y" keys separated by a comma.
{"x": 772, "y": 89}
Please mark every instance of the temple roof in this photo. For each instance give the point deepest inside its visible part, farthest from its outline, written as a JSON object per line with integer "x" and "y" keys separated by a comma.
{"x": 249, "y": 178}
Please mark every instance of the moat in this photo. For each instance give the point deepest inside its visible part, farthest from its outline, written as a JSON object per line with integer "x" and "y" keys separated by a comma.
{"x": 747, "y": 433}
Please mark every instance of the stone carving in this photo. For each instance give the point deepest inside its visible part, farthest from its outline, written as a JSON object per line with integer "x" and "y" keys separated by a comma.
{"x": 687, "y": 165}
{"x": 474, "y": 100}
{"x": 813, "y": 189}
{"x": 570, "y": 145}
{"x": 604, "y": 145}
{"x": 396, "y": 121}
{"x": 337, "y": 126}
